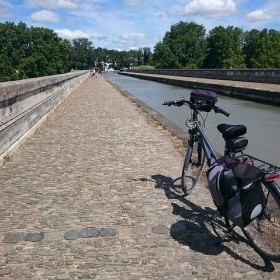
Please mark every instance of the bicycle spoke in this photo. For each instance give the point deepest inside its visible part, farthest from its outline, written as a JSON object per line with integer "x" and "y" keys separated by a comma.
{"x": 264, "y": 232}
{"x": 192, "y": 168}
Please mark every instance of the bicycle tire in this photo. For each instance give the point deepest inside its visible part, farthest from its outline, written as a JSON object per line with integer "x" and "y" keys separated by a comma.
{"x": 263, "y": 233}
{"x": 193, "y": 166}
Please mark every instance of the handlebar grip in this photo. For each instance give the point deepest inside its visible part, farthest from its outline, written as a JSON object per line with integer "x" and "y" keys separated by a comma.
{"x": 225, "y": 113}
{"x": 177, "y": 103}
{"x": 220, "y": 110}
{"x": 168, "y": 103}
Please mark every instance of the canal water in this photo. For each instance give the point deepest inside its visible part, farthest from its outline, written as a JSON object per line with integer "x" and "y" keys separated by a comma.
{"x": 262, "y": 121}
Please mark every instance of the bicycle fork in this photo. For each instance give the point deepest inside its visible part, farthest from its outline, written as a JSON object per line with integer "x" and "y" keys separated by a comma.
{"x": 196, "y": 148}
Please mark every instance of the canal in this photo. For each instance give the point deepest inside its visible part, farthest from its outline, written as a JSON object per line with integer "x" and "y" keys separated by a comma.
{"x": 262, "y": 121}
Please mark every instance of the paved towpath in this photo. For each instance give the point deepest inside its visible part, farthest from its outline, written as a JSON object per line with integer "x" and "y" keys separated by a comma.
{"x": 93, "y": 195}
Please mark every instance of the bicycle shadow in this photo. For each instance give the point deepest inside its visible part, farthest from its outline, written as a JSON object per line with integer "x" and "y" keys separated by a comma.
{"x": 193, "y": 231}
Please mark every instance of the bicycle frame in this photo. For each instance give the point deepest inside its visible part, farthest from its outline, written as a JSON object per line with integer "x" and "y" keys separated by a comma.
{"x": 207, "y": 147}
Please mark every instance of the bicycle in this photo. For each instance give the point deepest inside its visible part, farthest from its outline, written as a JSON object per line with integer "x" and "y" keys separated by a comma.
{"x": 263, "y": 232}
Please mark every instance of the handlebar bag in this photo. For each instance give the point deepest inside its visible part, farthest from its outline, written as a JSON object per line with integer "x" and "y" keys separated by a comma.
{"x": 236, "y": 190}
{"x": 204, "y": 97}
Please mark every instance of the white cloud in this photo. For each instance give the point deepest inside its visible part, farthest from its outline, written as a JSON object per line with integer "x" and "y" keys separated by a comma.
{"x": 70, "y": 35}
{"x": 137, "y": 38}
{"x": 210, "y": 7}
{"x": 53, "y": 4}
{"x": 134, "y": 41}
{"x": 44, "y": 16}
{"x": 261, "y": 15}
{"x": 5, "y": 6}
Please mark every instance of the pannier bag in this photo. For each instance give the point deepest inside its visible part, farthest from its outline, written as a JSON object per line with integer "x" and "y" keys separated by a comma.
{"x": 204, "y": 97}
{"x": 236, "y": 190}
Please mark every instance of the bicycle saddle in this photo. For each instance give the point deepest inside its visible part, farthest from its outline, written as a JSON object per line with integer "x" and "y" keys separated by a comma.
{"x": 230, "y": 131}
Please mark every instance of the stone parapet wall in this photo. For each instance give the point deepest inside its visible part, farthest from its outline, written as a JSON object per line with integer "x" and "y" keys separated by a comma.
{"x": 260, "y": 92}
{"x": 246, "y": 75}
{"x": 26, "y": 103}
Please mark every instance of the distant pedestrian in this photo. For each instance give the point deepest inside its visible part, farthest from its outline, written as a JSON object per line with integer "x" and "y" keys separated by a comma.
{"x": 97, "y": 72}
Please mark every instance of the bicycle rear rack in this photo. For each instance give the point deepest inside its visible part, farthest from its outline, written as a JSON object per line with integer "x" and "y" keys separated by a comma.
{"x": 270, "y": 171}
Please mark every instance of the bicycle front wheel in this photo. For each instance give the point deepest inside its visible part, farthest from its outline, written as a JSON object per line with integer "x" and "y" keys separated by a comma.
{"x": 264, "y": 232}
{"x": 193, "y": 166}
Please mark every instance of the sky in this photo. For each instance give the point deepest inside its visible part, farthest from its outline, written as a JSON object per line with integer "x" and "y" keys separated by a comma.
{"x": 134, "y": 24}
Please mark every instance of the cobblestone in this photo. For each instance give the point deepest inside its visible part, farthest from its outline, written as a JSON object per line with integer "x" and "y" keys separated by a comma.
{"x": 34, "y": 237}
{"x": 99, "y": 164}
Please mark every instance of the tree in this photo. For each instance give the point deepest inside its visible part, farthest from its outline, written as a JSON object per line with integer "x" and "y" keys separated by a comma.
{"x": 249, "y": 46}
{"x": 164, "y": 58}
{"x": 262, "y": 49}
{"x": 50, "y": 52}
{"x": 82, "y": 54}
{"x": 225, "y": 48}
{"x": 186, "y": 42}
{"x": 14, "y": 46}
{"x": 31, "y": 52}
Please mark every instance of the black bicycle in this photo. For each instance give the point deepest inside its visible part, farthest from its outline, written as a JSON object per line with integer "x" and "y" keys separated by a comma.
{"x": 263, "y": 233}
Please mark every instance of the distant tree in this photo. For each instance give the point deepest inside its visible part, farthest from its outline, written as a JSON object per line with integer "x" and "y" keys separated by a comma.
{"x": 112, "y": 56}
{"x": 135, "y": 57}
{"x": 225, "y": 48}
{"x": 147, "y": 56}
{"x": 124, "y": 59}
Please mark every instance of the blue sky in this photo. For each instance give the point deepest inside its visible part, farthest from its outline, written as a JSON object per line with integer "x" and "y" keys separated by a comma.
{"x": 132, "y": 24}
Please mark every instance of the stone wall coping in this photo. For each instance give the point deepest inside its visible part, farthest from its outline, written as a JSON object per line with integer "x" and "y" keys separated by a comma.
{"x": 15, "y": 88}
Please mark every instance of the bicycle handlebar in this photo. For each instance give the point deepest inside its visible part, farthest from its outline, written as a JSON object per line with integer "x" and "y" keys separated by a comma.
{"x": 177, "y": 103}
{"x": 220, "y": 110}
{"x": 182, "y": 101}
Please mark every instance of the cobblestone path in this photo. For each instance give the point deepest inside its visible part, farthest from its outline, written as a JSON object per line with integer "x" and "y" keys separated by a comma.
{"x": 93, "y": 195}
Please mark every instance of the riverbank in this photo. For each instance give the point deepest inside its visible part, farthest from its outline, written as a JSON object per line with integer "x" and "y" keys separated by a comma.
{"x": 259, "y": 92}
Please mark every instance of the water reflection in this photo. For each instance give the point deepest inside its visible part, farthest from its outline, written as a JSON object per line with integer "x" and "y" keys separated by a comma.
{"x": 261, "y": 120}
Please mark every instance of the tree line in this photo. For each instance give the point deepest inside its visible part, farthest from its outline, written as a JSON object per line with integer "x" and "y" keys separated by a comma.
{"x": 187, "y": 45}
{"x": 27, "y": 52}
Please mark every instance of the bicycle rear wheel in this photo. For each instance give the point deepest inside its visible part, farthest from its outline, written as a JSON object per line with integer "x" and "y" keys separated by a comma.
{"x": 264, "y": 232}
{"x": 193, "y": 166}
